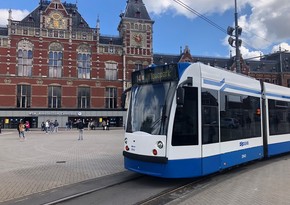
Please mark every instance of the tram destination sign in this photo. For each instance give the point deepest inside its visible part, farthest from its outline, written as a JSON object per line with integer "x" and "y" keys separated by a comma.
{"x": 155, "y": 74}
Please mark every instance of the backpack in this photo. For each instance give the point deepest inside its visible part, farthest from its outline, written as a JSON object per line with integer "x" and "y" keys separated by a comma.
{"x": 81, "y": 125}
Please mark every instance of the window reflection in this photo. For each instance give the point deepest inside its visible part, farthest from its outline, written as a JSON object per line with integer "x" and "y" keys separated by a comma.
{"x": 149, "y": 108}
{"x": 279, "y": 117}
{"x": 185, "y": 128}
{"x": 210, "y": 122}
{"x": 239, "y": 116}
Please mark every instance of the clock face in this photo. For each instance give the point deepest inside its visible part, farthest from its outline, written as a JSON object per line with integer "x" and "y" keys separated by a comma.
{"x": 137, "y": 39}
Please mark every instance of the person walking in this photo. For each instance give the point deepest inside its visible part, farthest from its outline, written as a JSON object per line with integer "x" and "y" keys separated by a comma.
{"x": 108, "y": 124}
{"x": 21, "y": 130}
{"x": 80, "y": 127}
{"x": 18, "y": 124}
{"x": 27, "y": 126}
{"x": 46, "y": 126}
{"x": 56, "y": 126}
{"x": 104, "y": 125}
{"x": 42, "y": 126}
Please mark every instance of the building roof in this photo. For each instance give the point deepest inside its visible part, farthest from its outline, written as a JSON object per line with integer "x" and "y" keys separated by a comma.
{"x": 33, "y": 19}
{"x": 136, "y": 9}
{"x": 268, "y": 64}
{"x": 213, "y": 61}
{"x": 111, "y": 40}
{"x": 3, "y": 31}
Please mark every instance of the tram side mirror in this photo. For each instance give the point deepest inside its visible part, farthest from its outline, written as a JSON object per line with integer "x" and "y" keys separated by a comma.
{"x": 123, "y": 100}
{"x": 180, "y": 96}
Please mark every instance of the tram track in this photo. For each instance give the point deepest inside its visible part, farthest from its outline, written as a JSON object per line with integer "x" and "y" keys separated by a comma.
{"x": 175, "y": 189}
{"x": 177, "y": 192}
{"x": 176, "y": 195}
{"x": 70, "y": 192}
{"x": 80, "y": 194}
{"x": 135, "y": 189}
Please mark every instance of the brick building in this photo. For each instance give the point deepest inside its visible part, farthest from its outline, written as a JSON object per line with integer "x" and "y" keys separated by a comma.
{"x": 273, "y": 68}
{"x": 54, "y": 66}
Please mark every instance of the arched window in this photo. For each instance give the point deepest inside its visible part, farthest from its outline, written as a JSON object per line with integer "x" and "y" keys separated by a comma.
{"x": 111, "y": 97}
{"x": 84, "y": 96}
{"x": 55, "y": 60}
{"x": 84, "y": 61}
{"x": 23, "y": 96}
{"x": 54, "y": 96}
{"x": 24, "y": 58}
{"x": 111, "y": 70}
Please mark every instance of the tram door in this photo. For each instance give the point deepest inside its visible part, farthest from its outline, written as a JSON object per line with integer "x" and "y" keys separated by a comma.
{"x": 210, "y": 131}
{"x": 185, "y": 137}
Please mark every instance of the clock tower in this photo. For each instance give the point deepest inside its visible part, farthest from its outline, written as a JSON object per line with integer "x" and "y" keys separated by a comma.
{"x": 136, "y": 31}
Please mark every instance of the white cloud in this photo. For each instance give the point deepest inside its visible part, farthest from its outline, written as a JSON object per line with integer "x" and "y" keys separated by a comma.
{"x": 266, "y": 24}
{"x": 16, "y": 15}
{"x": 201, "y": 6}
{"x": 283, "y": 46}
{"x": 263, "y": 24}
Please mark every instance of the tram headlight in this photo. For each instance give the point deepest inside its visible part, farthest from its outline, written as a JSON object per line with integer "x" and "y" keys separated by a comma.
{"x": 160, "y": 144}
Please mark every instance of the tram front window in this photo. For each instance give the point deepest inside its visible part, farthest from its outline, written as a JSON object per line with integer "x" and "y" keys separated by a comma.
{"x": 149, "y": 108}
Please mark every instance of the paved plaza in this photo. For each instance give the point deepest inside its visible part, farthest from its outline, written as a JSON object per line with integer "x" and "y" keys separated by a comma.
{"x": 46, "y": 161}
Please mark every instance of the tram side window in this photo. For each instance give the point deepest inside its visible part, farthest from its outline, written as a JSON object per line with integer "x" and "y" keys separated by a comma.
{"x": 279, "y": 117}
{"x": 210, "y": 121}
{"x": 185, "y": 128}
{"x": 239, "y": 116}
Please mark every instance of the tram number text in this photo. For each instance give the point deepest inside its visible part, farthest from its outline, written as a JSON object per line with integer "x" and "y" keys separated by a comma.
{"x": 244, "y": 156}
{"x": 133, "y": 148}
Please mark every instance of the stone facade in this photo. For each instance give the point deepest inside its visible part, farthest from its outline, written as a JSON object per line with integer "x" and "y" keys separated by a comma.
{"x": 54, "y": 66}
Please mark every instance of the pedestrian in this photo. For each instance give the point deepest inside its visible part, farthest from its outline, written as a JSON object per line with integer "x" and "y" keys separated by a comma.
{"x": 18, "y": 124}
{"x": 0, "y": 127}
{"x": 104, "y": 125}
{"x": 66, "y": 126}
{"x": 46, "y": 126}
{"x": 80, "y": 126}
{"x": 56, "y": 126}
{"x": 108, "y": 124}
{"x": 70, "y": 124}
{"x": 42, "y": 126}
{"x": 27, "y": 126}
{"x": 51, "y": 127}
{"x": 21, "y": 130}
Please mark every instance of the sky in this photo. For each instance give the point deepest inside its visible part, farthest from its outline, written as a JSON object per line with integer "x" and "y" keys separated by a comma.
{"x": 262, "y": 21}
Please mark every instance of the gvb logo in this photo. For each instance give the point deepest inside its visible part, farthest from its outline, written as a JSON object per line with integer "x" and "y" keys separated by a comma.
{"x": 245, "y": 143}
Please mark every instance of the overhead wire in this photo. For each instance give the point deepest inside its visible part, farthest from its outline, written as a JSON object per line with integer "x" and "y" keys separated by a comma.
{"x": 181, "y": 3}
{"x": 200, "y": 15}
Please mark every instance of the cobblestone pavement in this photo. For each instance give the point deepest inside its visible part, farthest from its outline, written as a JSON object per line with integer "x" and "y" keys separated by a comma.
{"x": 46, "y": 161}
{"x": 261, "y": 183}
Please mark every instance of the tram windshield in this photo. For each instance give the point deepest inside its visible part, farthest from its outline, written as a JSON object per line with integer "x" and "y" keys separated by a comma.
{"x": 150, "y": 107}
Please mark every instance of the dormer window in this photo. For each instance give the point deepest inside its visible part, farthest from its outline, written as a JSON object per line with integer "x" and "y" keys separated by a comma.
{"x": 138, "y": 14}
{"x": 30, "y": 18}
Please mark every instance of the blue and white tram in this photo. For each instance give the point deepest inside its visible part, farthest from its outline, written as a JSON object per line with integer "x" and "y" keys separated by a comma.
{"x": 277, "y": 129}
{"x": 190, "y": 120}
